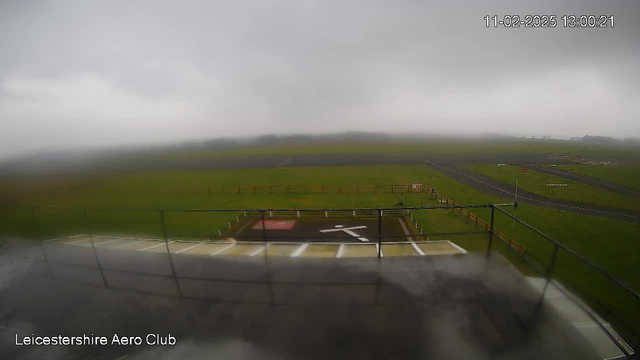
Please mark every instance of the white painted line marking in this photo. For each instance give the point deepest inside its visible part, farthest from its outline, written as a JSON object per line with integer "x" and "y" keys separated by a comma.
{"x": 409, "y": 238}
{"x": 127, "y": 244}
{"x": 76, "y": 241}
{"x": 583, "y": 324}
{"x": 259, "y": 250}
{"x": 348, "y": 230}
{"x": 154, "y": 246}
{"x": 106, "y": 242}
{"x": 417, "y": 248}
{"x": 299, "y": 250}
{"x": 65, "y": 237}
{"x": 189, "y": 248}
{"x": 457, "y": 247}
{"x": 340, "y": 250}
{"x": 223, "y": 249}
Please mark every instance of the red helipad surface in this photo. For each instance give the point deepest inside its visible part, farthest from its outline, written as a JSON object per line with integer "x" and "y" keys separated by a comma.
{"x": 275, "y": 225}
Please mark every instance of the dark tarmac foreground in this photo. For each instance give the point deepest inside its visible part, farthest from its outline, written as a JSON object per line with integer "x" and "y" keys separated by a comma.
{"x": 441, "y": 307}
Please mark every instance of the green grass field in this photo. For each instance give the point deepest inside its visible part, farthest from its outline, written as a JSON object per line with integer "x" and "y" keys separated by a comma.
{"x": 587, "y": 234}
{"x": 628, "y": 176}
{"x": 535, "y": 182}
{"x": 606, "y": 242}
{"x": 432, "y": 146}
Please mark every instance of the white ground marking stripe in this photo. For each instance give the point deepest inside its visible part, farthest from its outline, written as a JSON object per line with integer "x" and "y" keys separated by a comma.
{"x": 457, "y": 247}
{"x": 154, "y": 246}
{"x": 127, "y": 244}
{"x": 189, "y": 248}
{"x": 259, "y": 250}
{"x": 65, "y": 238}
{"x": 406, "y": 232}
{"x": 106, "y": 242}
{"x": 588, "y": 324}
{"x": 76, "y": 241}
{"x": 299, "y": 250}
{"x": 340, "y": 250}
{"x": 223, "y": 249}
{"x": 417, "y": 248}
{"x": 349, "y": 231}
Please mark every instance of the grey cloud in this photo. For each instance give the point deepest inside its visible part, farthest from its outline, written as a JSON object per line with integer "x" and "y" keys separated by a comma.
{"x": 162, "y": 71}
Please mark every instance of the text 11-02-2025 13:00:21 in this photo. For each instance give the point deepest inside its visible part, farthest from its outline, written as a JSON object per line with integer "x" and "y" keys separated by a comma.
{"x": 550, "y": 21}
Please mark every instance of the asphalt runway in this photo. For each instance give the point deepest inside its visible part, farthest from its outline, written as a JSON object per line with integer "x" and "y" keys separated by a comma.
{"x": 209, "y": 163}
{"x": 497, "y": 188}
{"x": 471, "y": 306}
{"x": 585, "y": 179}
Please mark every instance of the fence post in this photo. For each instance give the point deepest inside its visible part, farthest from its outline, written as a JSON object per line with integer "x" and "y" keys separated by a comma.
{"x": 254, "y": 189}
{"x": 166, "y": 243}
{"x": 553, "y": 262}
{"x": 391, "y": 188}
{"x": 491, "y": 229}
{"x": 35, "y": 227}
{"x": 264, "y": 228}
{"x": 95, "y": 253}
{"x": 379, "y": 234}
{"x": 550, "y": 268}
{"x": 209, "y": 187}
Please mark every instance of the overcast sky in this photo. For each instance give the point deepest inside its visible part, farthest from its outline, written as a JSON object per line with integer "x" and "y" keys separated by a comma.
{"x": 88, "y": 73}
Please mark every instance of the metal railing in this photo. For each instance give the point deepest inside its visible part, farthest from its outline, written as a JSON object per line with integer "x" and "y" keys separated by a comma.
{"x": 549, "y": 269}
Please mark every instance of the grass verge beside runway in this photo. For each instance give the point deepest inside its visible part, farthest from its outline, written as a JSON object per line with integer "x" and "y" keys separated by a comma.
{"x": 535, "y": 182}
{"x": 625, "y": 175}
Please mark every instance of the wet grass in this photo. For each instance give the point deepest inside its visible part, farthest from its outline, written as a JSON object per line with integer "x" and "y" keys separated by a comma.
{"x": 535, "y": 182}
{"x": 625, "y": 175}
